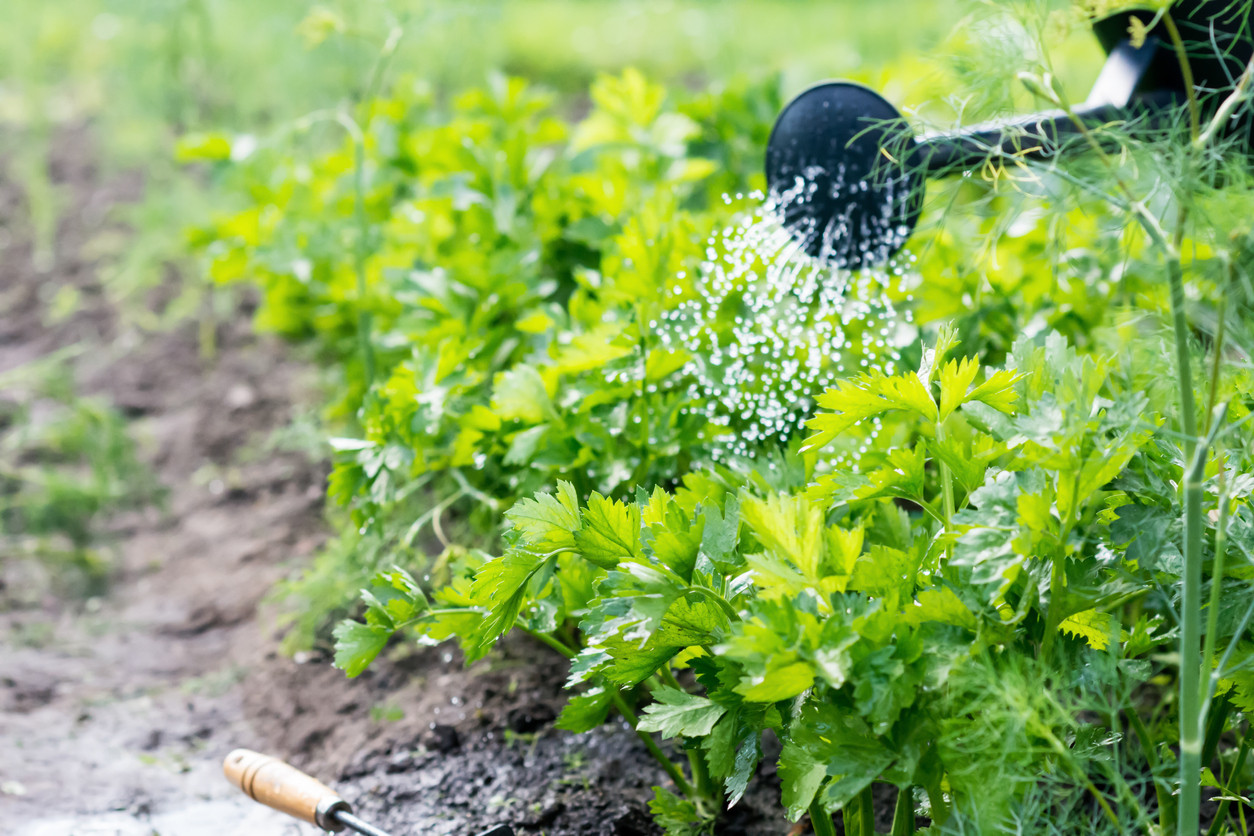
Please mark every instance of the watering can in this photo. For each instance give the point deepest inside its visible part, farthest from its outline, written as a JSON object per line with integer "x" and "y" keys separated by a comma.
{"x": 847, "y": 175}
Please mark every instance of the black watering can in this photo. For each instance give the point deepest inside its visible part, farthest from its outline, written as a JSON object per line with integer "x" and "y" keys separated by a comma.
{"x": 847, "y": 174}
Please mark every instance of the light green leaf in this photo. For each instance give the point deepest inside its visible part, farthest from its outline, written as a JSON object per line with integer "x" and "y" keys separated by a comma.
{"x": 997, "y": 391}
{"x": 357, "y": 644}
{"x": 865, "y": 396}
{"x": 663, "y": 362}
{"x": 955, "y": 378}
{"x": 678, "y": 542}
{"x": 943, "y": 605}
{"x": 519, "y": 395}
{"x": 790, "y": 527}
{"x": 1090, "y": 625}
{"x": 591, "y": 350}
{"x": 720, "y": 534}
{"x": 501, "y": 586}
{"x": 631, "y": 665}
{"x": 610, "y": 532}
{"x": 548, "y": 522}
{"x": 586, "y": 711}
{"x": 678, "y": 713}
{"x": 676, "y": 816}
{"x": 778, "y": 684}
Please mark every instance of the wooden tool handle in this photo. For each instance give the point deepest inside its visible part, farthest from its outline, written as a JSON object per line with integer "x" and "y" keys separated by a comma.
{"x": 285, "y": 788}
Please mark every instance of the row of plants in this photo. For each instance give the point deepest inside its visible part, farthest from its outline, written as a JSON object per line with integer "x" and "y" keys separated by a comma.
{"x": 976, "y": 573}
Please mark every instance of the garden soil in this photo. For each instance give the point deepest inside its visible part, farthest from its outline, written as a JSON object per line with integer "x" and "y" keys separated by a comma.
{"x": 116, "y": 711}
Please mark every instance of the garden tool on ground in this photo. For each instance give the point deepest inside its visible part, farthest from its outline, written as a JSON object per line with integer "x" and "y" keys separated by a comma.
{"x": 847, "y": 174}
{"x": 288, "y": 790}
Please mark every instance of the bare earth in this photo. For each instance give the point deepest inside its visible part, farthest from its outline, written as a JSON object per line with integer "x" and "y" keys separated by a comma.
{"x": 116, "y": 712}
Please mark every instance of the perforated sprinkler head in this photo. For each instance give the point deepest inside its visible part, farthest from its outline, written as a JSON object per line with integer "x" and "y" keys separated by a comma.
{"x": 837, "y": 174}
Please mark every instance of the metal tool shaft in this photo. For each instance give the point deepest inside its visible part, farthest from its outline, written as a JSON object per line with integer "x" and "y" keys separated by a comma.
{"x": 353, "y": 823}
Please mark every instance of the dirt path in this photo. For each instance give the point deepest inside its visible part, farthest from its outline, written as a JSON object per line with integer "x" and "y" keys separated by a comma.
{"x": 116, "y": 712}
{"x": 116, "y": 709}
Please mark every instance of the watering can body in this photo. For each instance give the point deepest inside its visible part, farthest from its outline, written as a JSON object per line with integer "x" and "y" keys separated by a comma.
{"x": 847, "y": 174}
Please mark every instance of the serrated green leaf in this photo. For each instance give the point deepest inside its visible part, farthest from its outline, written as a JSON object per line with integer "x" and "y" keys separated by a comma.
{"x": 501, "y": 585}
{"x": 720, "y": 744}
{"x": 520, "y": 395}
{"x": 631, "y": 665}
{"x": 548, "y": 522}
{"x": 884, "y": 571}
{"x": 940, "y": 604}
{"x": 585, "y": 711}
{"x": 676, "y": 816}
{"x": 720, "y": 534}
{"x": 779, "y": 684}
{"x": 823, "y": 742}
{"x": 790, "y": 527}
{"x": 678, "y": 713}
{"x": 865, "y": 396}
{"x": 610, "y": 532}
{"x": 997, "y": 391}
{"x": 663, "y": 362}
{"x": 357, "y": 645}
{"x": 955, "y": 378}
{"x": 745, "y": 764}
{"x": 591, "y": 350}
{"x": 967, "y": 462}
{"x": 678, "y": 543}
{"x": 1090, "y": 625}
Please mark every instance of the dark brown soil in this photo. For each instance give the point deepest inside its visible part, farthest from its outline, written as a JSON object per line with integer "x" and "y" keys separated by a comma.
{"x": 116, "y": 712}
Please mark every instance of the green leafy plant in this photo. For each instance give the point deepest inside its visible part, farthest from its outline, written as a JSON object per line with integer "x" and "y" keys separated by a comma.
{"x": 1011, "y": 581}
{"x": 67, "y": 463}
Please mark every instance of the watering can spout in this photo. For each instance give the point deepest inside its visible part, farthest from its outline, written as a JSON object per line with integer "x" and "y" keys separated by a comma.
{"x": 846, "y": 173}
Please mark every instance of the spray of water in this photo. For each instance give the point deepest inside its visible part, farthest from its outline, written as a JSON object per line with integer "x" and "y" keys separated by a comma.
{"x": 769, "y": 327}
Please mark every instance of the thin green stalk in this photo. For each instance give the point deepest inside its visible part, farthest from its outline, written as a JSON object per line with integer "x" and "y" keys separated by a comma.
{"x": 1191, "y": 716}
{"x": 903, "y": 813}
{"x": 821, "y": 819}
{"x": 860, "y": 814}
{"x": 1186, "y": 70}
{"x": 701, "y": 777}
{"x": 705, "y": 784}
{"x": 551, "y": 642}
{"x": 947, "y": 488}
{"x": 1216, "y": 573}
{"x": 1220, "y": 332}
{"x": 1166, "y": 801}
{"x": 1232, "y": 789}
{"x": 359, "y": 258}
{"x": 1064, "y": 754}
{"x": 669, "y": 765}
{"x": 1053, "y": 616}
{"x": 630, "y": 716}
{"x": 1058, "y": 581}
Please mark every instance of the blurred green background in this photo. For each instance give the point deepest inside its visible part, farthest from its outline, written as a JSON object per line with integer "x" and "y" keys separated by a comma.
{"x": 142, "y": 73}
{"x": 144, "y": 67}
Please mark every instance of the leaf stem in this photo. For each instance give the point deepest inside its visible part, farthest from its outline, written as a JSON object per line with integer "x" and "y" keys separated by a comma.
{"x": 630, "y": 716}
{"x": 1232, "y": 789}
{"x": 1191, "y": 716}
{"x": 820, "y": 819}
{"x": 1216, "y": 574}
{"x": 947, "y": 488}
{"x": 903, "y": 813}
{"x": 553, "y": 643}
{"x": 1186, "y": 70}
{"x": 669, "y": 765}
{"x": 1166, "y": 801}
{"x": 859, "y": 813}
